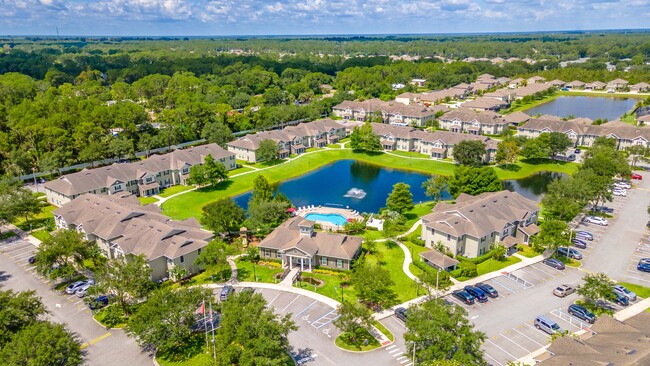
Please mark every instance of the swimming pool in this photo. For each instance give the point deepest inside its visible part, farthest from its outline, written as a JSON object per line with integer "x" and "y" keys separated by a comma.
{"x": 335, "y": 219}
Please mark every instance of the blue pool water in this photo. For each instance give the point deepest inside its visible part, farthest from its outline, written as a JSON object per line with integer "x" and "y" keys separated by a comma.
{"x": 335, "y": 219}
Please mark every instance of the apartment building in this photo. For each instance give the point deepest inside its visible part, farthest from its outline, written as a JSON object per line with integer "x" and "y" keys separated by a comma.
{"x": 473, "y": 223}
{"x": 120, "y": 226}
{"x": 466, "y": 120}
{"x": 389, "y": 112}
{"x": 141, "y": 178}
{"x": 290, "y": 140}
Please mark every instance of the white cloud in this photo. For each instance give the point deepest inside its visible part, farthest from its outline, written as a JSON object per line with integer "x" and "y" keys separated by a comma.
{"x": 316, "y": 16}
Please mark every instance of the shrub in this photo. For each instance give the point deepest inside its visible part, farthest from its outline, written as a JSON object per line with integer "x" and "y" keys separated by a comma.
{"x": 271, "y": 264}
{"x": 456, "y": 273}
{"x": 477, "y": 260}
{"x": 111, "y": 316}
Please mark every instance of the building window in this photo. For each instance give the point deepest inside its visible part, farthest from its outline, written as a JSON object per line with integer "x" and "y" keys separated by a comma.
{"x": 448, "y": 237}
{"x": 198, "y": 252}
{"x": 267, "y": 252}
{"x": 339, "y": 263}
{"x": 323, "y": 261}
{"x": 182, "y": 259}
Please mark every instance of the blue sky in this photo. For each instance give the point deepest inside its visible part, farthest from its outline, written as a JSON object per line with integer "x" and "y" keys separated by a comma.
{"x": 236, "y": 17}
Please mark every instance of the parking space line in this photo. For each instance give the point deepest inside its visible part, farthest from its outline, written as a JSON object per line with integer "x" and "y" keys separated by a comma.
{"x": 329, "y": 321}
{"x": 292, "y": 301}
{"x": 502, "y": 285}
{"x": 395, "y": 350}
{"x": 333, "y": 310}
{"x": 637, "y": 278}
{"x": 390, "y": 347}
{"x": 492, "y": 358}
{"x": 554, "y": 272}
{"x": 515, "y": 343}
{"x": 504, "y": 351}
{"x": 305, "y": 309}
{"x": 532, "y": 274}
{"x": 275, "y": 298}
{"x": 534, "y": 341}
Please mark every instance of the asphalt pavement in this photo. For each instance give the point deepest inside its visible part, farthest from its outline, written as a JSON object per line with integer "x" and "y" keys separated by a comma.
{"x": 102, "y": 347}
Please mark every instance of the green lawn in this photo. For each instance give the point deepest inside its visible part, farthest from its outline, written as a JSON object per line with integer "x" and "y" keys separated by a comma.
{"x": 527, "y": 251}
{"x": 629, "y": 118}
{"x": 492, "y": 265}
{"x": 410, "y": 154}
{"x": 190, "y": 204}
{"x": 202, "y": 359}
{"x": 392, "y": 258}
{"x": 418, "y": 211}
{"x": 600, "y": 94}
{"x": 264, "y": 273}
{"x": 41, "y": 234}
{"x": 147, "y": 200}
{"x": 240, "y": 170}
{"x": 174, "y": 189}
{"x": 343, "y": 341}
{"x": 641, "y": 291}
{"x": 331, "y": 286}
{"x": 37, "y": 221}
{"x": 535, "y": 103}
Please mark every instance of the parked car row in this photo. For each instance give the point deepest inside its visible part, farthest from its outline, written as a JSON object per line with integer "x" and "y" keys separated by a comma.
{"x": 479, "y": 292}
{"x": 596, "y": 220}
{"x": 79, "y": 288}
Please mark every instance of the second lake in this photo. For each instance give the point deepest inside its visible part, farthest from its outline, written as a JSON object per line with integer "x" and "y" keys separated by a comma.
{"x": 589, "y": 107}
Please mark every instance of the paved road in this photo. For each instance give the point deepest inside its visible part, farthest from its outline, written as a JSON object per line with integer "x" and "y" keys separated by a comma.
{"x": 620, "y": 240}
{"x": 102, "y": 347}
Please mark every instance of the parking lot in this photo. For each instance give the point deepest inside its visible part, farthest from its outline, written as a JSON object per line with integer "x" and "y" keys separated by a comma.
{"x": 313, "y": 342}
{"x": 101, "y": 346}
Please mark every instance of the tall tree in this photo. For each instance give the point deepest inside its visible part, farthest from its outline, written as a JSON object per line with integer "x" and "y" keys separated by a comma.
{"x": 440, "y": 333}
{"x": 163, "y": 322}
{"x": 214, "y": 171}
{"x": 17, "y": 310}
{"x": 553, "y": 234}
{"x": 558, "y": 143}
{"x": 596, "y": 287}
{"x": 62, "y": 255}
{"x": 638, "y": 153}
{"x": 374, "y": 285}
{"x": 262, "y": 191}
{"x": 469, "y": 153}
{"x": 214, "y": 257}
{"x": 223, "y": 215}
{"x": 127, "y": 278}
{"x": 564, "y": 199}
{"x": 400, "y": 199}
{"x": 354, "y": 319}
{"x": 474, "y": 181}
{"x": 197, "y": 175}
{"x": 537, "y": 148}
{"x": 267, "y": 151}
{"x": 364, "y": 138}
{"x": 42, "y": 343}
{"x": 436, "y": 186}
{"x": 217, "y": 133}
{"x": 251, "y": 333}
{"x": 507, "y": 151}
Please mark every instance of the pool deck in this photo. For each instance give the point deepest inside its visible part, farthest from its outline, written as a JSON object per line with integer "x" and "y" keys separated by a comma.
{"x": 347, "y": 213}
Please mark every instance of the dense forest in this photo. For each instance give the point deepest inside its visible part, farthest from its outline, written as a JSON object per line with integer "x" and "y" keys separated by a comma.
{"x": 64, "y": 101}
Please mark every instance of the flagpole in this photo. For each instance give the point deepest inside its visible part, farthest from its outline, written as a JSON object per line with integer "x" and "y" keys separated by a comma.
{"x": 205, "y": 325}
{"x": 214, "y": 345}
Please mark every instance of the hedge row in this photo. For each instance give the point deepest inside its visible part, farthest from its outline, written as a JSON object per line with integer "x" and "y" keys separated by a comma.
{"x": 477, "y": 260}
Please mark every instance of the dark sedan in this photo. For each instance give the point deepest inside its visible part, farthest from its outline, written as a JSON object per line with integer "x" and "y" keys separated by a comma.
{"x": 578, "y": 243}
{"x": 479, "y": 294}
{"x": 400, "y": 313}
{"x": 552, "y": 262}
{"x": 582, "y": 313}
{"x": 464, "y": 297}
{"x": 489, "y": 290}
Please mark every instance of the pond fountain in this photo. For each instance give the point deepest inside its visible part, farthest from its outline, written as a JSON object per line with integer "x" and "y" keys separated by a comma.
{"x": 355, "y": 193}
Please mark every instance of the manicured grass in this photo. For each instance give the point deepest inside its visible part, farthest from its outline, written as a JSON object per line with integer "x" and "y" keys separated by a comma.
{"x": 568, "y": 261}
{"x": 331, "y": 286}
{"x": 535, "y": 103}
{"x": 392, "y": 258}
{"x": 37, "y": 221}
{"x": 147, "y": 200}
{"x": 174, "y": 189}
{"x": 343, "y": 341}
{"x": 526, "y": 167}
{"x": 111, "y": 316}
{"x": 202, "y": 359}
{"x": 384, "y": 330}
{"x": 263, "y": 272}
{"x": 190, "y": 204}
{"x": 600, "y": 94}
{"x": 629, "y": 118}
{"x": 492, "y": 265}
{"x": 240, "y": 170}
{"x": 640, "y": 291}
{"x": 527, "y": 251}
{"x": 418, "y": 211}
{"x": 409, "y": 154}
{"x": 597, "y": 310}
{"x": 41, "y": 234}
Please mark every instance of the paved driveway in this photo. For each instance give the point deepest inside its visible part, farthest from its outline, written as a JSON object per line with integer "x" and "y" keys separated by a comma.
{"x": 619, "y": 248}
{"x": 102, "y": 347}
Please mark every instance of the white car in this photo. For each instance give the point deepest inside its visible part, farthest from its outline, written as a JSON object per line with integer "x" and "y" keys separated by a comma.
{"x": 623, "y": 185}
{"x": 620, "y": 193}
{"x": 596, "y": 220}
